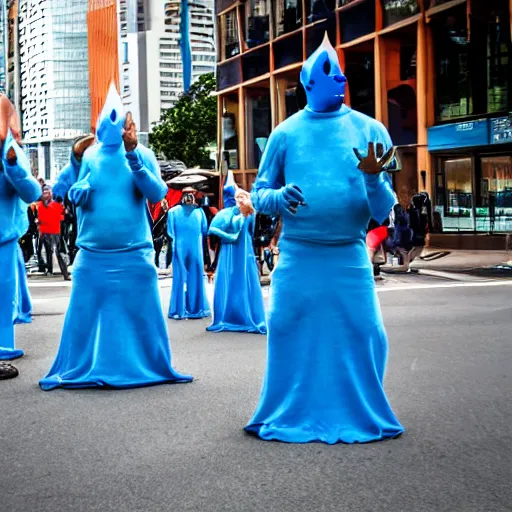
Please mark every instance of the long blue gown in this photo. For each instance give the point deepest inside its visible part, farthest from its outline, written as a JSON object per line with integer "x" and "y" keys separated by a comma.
{"x": 17, "y": 187}
{"x": 114, "y": 334}
{"x": 327, "y": 346}
{"x": 187, "y": 225}
{"x": 23, "y": 309}
{"x": 238, "y": 302}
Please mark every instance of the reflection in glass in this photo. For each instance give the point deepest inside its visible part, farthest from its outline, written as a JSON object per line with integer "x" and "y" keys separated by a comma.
{"x": 287, "y": 95}
{"x": 288, "y": 50}
{"x": 229, "y": 132}
{"x": 361, "y": 80}
{"x": 287, "y": 16}
{"x": 451, "y": 53}
{"x": 259, "y": 124}
{"x": 398, "y": 10}
{"x": 455, "y": 196}
{"x": 357, "y": 21}
{"x": 498, "y": 66}
{"x": 494, "y": 197}
{"x": 257, "y": 16}
{"x": 231, "y": 41}
{"x": 319, "y": 9}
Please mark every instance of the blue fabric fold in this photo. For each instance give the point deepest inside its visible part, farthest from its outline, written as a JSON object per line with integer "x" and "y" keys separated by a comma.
{"x": 238, "y": 301}
{"x": 23, "y": 307}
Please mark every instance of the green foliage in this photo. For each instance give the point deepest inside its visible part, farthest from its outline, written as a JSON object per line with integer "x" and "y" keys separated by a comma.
{"x": 187, "y": 129}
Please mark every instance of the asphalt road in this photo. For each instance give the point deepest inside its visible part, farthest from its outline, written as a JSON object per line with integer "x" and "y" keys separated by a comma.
{"x": 182, "y": 447}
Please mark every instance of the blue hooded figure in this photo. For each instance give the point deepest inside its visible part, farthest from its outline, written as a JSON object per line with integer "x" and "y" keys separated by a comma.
{"x": 17, "y": 187}
{"x": 187, "y": 226}
{"x": 238, "y": 301}
{"x": 327, "y": 346}
{"x": 114, "y": 334}
{"x": 23, "y": 310}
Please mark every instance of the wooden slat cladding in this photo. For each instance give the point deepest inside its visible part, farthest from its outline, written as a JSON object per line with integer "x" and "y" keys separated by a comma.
{"x": 103, "y": 53}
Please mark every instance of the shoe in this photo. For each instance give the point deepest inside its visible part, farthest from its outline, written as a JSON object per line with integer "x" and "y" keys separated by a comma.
{"x": 8, "y": 371}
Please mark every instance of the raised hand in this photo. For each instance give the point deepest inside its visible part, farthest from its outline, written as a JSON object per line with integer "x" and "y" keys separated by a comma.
{"x": 130, "y": 133}
{"x": 8, "y": 120}
{"x": 374, "y": 163}
{"x": 81, "y": 144}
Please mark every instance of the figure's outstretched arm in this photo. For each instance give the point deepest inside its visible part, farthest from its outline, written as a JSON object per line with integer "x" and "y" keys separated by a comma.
{"x": 17, "y": 171}
{"x": 270, "y": 194}
{"x": 226, "y": 227}
{"x": 146, "y": 174}
{"x": 379, "y": 189}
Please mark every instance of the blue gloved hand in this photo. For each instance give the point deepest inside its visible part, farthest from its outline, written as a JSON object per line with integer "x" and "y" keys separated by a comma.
{"x": 134, "y": 161}
{"x": 290, "y": 198}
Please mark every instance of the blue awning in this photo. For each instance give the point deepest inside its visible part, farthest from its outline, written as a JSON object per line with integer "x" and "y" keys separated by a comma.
{"x": 459, "y": 135}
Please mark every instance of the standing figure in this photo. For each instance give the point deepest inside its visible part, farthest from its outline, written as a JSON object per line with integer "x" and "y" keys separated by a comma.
{"x": 187, "y": 226}
{"x": 17, "y": 187}
{"x": 238, "y": 301}
{"x": 114, "y": 334}
{"x": 327, "y": 346}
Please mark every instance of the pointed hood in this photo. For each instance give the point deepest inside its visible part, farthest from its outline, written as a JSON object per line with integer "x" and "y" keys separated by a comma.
{"x": 323, "y": 79}
{"x": 110, "y": 125}
{"x": 229, "y": 190}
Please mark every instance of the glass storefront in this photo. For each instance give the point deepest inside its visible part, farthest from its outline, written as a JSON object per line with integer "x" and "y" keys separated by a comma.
{"x": 230, "y": 141}
{"x": 474, "y": 193}
{"x": 258, "y": 123}
{"x": 257, "y": 17}
{"x": 287, "y": 16}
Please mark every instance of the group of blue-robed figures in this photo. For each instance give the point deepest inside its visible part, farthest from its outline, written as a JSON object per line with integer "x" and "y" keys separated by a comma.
{"x": 323, "y": 172}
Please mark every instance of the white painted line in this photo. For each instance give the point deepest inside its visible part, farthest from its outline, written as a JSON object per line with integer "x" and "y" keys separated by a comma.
{"x": 451, "y": 285}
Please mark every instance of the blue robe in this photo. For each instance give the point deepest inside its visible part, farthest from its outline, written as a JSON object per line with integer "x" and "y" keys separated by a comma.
{"x": 23, "y": 310}
{"x": 17, "y": 187}
{"x": 238, "y": 301}
{"x": 114, "y": 334}
{"x": 327, "y": 346}
{"x": 186, "y": 226}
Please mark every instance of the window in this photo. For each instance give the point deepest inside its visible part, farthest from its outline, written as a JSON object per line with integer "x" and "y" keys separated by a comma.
{"x": 259, "y": 123}
{"x": 356, "y": 21}
{"x": 287, "y": 16}
{"x": 257, "y": 20}
{"x": 287, "y": 94}
{"x": 498, "y": 66}
{"x": 255, "y": 63}
{"x": 494, "y": 195}
{"x": 125, "y": 53}
{"x": 230, "y": 40}
{"x": 288, "y": 50}
{"x": 398, "y": 10}
{"x": 230, "y": 131}
{"x": 454, "y": 194}
{"x": 319, "y": 9}
{"x": 361, "y": 79}
{"x": 451, "y": 53}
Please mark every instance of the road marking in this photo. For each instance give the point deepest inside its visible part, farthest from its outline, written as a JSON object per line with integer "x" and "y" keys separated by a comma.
{"x": 413, "y": 365}
{"x": 450, "y": 285}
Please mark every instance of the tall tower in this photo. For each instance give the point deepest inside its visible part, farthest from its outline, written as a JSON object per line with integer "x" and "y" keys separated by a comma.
{"x": 103, "y": 39}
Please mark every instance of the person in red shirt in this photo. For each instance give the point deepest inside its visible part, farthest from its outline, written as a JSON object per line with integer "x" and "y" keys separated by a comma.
{"x": 49, "y": 216}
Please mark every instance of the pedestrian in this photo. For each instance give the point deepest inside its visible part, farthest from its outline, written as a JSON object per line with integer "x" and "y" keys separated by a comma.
{"x": 238, "y": 301}
{"x": 187, "y": 227}
{"x": 114, "y": 333}
{"x": 50, "y": 215}
{"x": 17, "y": 186}
{"x": 327, "y": 346}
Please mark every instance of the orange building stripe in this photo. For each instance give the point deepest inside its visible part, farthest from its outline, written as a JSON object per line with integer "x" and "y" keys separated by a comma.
{"x": 102, "y": 29}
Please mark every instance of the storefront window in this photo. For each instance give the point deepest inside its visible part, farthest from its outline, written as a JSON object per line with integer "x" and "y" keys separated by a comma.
{"x": 230, "y": 115}
{"x": 454, "y": 195}
{"x": 319, "y": 9}
{"x": 398, "y": 10}
{"x": 287, "y": 16}
{"x": 453, "y": 84}
{"x": 259, "y": 123}
{"x": 230, "y": 39}
{"x": 498, "y": 67}
{"x": 494, "y": 196}
{"x": 257, "y": 21}
{"x": 288, "y": 50}
{"x": 229, "y": 74}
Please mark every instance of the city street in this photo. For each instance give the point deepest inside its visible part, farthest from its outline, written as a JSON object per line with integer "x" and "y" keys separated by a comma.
{"x": 182, "y": 447}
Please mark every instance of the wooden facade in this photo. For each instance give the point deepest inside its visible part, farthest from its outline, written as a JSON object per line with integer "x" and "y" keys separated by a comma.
{"x": 103, "y": 44}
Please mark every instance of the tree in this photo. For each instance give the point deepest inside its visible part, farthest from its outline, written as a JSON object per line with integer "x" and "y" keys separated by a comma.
{"x": 187, "y": 129}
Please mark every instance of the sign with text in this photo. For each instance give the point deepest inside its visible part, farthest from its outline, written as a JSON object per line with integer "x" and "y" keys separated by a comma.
{"x": 501, "y": 130}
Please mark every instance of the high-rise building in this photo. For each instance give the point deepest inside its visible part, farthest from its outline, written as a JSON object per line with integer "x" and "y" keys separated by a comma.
{"x": 54, "y": 78}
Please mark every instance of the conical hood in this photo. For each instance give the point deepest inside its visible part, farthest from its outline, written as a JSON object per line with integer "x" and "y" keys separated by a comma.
{"x": 323, "y": 79}
{"x": 111, "y": 121}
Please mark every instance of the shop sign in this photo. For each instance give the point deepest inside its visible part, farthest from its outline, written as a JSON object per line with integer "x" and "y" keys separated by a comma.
{"x": 458, "y": 135}
{"x": 501, "y": 130}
